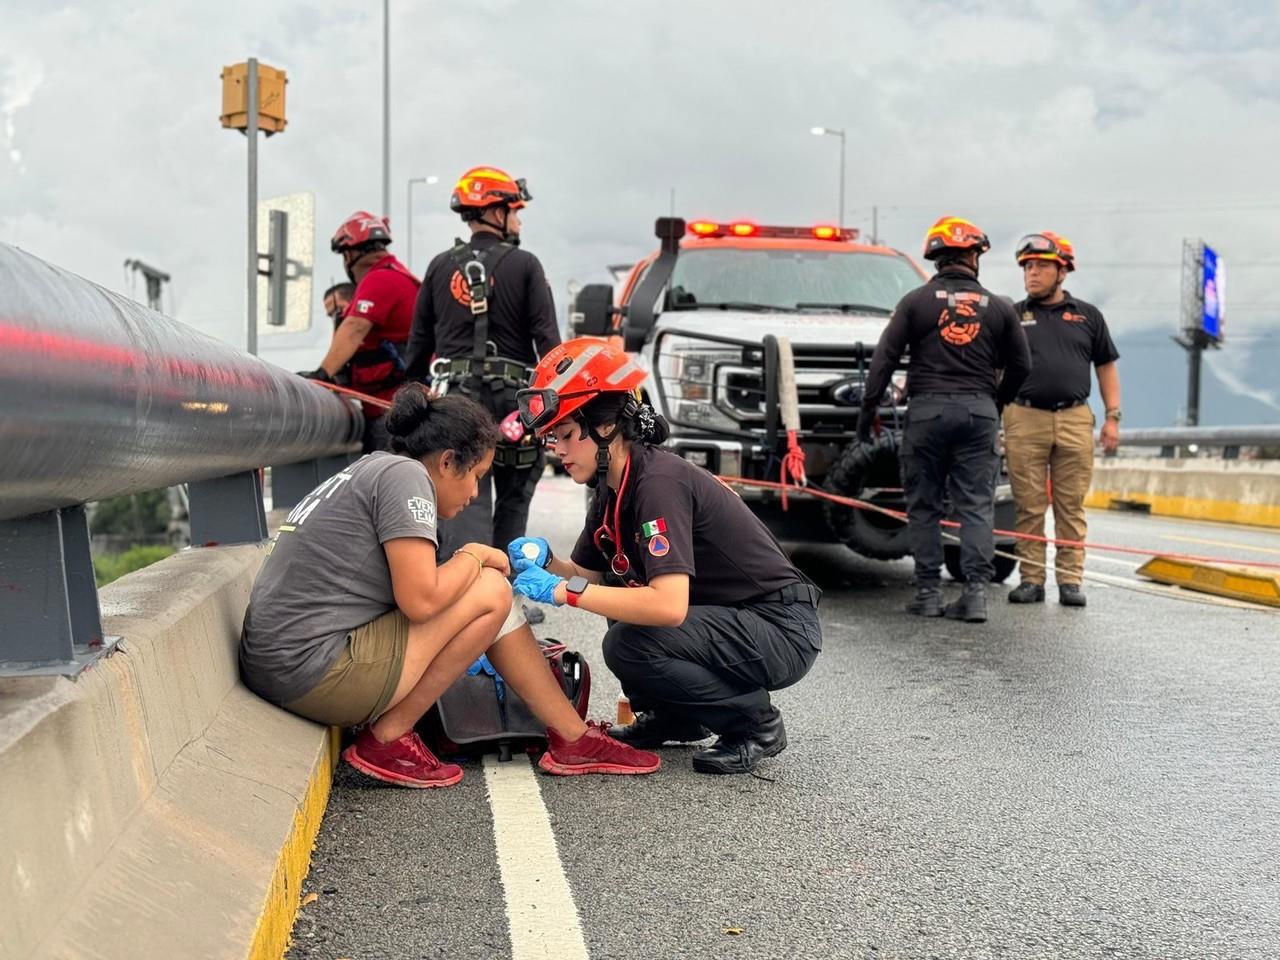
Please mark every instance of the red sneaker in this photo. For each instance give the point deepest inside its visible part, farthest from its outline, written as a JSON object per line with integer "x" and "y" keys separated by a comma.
{"x": 594, "y": 752}
{"x": 406, "y": 762}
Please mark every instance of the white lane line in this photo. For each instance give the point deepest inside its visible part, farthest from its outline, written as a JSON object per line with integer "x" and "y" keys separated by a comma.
{"x": 541, "y": 914}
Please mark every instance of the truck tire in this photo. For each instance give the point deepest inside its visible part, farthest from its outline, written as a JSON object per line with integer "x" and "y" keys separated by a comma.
{"x": 1003, "y": 565}
{"x": 870, "y": 534}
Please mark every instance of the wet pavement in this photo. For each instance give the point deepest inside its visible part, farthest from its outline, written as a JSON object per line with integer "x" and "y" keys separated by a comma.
{"x": 1055, "y": 783}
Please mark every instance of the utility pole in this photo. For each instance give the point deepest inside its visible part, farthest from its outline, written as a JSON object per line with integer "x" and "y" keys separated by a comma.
{"x": 251, "y": 246}
{"x": 875, "y": 224}
{"x": 155, "y": 281}
{"x": 250, "y": 105}
{"x": 833, "y": 132}
{"x": 386, "y": 108}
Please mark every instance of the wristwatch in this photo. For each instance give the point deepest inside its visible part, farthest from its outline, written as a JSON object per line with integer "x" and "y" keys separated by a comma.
{"x": 573, "y": 590}
{"x": 1113, "y": 413}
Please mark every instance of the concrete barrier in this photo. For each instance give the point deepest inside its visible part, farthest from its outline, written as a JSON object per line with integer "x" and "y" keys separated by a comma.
{"x": 1231, "y": 491}
{"x": 154, "y": 807}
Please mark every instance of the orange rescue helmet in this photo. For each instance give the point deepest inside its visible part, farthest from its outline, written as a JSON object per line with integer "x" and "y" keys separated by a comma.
{"x": 954, "y": 233}
{"x": 571, "y": 376}
{"x": 483, "y": 187}
{"x": 1047, "y": 245}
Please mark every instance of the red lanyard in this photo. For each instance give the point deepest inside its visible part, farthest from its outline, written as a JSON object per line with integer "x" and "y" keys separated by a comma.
{"x": 618, "y": 563}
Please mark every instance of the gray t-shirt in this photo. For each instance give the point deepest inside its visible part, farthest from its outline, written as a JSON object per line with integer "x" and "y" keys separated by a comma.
{"x": 326, "y": 572}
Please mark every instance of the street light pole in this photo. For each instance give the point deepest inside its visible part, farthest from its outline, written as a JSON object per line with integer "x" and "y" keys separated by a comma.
{"x": 386, "y": 108}
{"x": 409, "y": 219}
{"x": 251, "y": 300}
{"x": 832, "y": 132}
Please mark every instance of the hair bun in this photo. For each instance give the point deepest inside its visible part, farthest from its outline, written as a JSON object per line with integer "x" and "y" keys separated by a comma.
{"x": 410, "y": 407}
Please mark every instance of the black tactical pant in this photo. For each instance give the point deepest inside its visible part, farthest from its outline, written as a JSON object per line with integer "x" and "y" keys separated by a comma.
{"x": 950, "y": 444}
{"x": 716, "y": 668}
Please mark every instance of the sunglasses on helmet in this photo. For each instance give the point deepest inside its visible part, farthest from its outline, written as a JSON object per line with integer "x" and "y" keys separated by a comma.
{"x": 539, "y": 409}
{"x": 1037, "y": 243}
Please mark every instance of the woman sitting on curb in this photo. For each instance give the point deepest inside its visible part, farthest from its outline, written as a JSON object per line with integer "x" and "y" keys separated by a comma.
{"x": 351, "y": 621}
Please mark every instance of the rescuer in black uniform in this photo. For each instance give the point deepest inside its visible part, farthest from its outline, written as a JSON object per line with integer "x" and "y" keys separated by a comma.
{"x": 960, "y": 336}
{"x": 483, "y": 318}
{"x": 707, "y": 614}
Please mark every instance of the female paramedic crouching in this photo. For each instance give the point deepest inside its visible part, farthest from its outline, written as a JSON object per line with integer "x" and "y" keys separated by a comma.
{"x": 718, "y": 615}
{"x": 351, "y": 621}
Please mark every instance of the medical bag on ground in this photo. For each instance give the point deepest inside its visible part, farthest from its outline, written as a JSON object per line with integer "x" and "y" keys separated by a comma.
{"x": 481, "y": 712}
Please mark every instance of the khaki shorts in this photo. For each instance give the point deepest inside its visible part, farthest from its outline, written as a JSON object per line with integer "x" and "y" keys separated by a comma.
{"x": 359, "y": 686}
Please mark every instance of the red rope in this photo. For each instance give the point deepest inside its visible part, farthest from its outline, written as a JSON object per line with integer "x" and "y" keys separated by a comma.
{"x": 793, "y": 464}
{"x": 1083, "y": 544}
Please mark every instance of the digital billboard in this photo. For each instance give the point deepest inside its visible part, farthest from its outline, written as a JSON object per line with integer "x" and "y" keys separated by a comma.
{"x": 1213, "y": 280}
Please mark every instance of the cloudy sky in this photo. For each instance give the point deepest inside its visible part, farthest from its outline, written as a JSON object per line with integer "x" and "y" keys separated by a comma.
{"x": 1126, "y": 126}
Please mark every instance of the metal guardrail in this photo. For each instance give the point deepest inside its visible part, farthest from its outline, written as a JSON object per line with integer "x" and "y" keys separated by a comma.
{"x": 101, "y": 397}
{"x": 1228, "y": 439}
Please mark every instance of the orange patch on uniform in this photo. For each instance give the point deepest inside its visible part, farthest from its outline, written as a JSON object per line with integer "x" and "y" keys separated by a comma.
{"x": 458, "y": 287}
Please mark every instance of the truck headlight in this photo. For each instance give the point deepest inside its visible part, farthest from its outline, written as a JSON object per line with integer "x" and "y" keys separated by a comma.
{"x": 688, "y": 367}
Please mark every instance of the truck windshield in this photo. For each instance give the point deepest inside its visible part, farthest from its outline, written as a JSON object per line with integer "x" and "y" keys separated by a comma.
{"x": 789, "y": 280}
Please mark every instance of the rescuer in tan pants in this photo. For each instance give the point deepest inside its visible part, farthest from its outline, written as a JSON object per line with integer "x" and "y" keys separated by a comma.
{"x": 1048, "y": 428}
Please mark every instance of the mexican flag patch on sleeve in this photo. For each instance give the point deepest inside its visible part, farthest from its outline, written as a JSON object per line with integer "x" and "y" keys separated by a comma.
{"x": 653, "y": 528}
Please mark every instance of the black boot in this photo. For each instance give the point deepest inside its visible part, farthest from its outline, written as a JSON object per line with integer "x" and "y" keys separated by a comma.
{"x": 972, "y": 605}
{"x": 927, "y": 601}
{"x": 1070, "y": 595}
{"x": 742, "y": 753}
{"x": 651, "y": 729}
{"x": 1027, "y": 592}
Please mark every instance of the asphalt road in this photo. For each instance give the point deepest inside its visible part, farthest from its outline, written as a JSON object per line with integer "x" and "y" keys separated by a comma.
{"x": 1056, "y": 783}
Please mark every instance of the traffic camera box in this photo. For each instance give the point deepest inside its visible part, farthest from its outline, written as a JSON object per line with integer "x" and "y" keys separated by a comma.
{"x": 235, "y": 98}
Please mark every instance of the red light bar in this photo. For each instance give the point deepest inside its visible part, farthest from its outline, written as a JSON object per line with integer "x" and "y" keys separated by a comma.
{"x": 745, "y": 229}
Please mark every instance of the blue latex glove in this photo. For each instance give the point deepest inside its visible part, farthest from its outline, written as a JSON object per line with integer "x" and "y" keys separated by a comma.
{"x": 538, "y": 584}
{"x": 519, "y": 562}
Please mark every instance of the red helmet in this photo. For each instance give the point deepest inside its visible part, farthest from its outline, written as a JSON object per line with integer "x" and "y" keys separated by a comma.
{"x": 360, "y": 228}
{"x": 1047, "y": 245}
{"x": 954, "y": 233}
{"x": 483, "y": 187}
{"x": 571, "y": 376}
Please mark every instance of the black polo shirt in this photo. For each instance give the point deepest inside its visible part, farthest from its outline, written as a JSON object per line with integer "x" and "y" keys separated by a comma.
{"x": 678, "y": 518}
{"x": 1066, "y": 340}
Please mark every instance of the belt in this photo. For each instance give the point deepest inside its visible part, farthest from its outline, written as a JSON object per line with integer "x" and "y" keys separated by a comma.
{"x": 492, "y": 367}
{"x": 1052, "y": 407}
{"x": 792, "y": 593}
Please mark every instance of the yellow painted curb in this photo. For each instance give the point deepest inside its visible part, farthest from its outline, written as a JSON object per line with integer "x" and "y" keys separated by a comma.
{"x": 1192, "y": 508}
{"x": 1239, "y": 583}
{"x": 280, "y": 908}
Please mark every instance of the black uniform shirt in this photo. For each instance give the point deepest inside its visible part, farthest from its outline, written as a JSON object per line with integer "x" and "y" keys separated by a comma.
{"x": 678, "y": 518}
{"x": 522, "y": 317}
{"x": 1066, "y": 339}
{"x": 951, "y": 355}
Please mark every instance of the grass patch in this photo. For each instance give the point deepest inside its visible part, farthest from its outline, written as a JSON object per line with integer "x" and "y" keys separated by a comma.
{"x": 113, "y": 566}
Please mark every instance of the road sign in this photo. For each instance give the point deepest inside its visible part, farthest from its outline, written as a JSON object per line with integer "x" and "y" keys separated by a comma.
{"x": 286, "y": 261}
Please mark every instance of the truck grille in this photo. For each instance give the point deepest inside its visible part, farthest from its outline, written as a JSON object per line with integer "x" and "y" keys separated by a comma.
{"x": 828, "y": 382}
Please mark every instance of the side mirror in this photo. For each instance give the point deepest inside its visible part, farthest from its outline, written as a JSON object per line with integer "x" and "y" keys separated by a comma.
{"x": 592, "y": 313}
